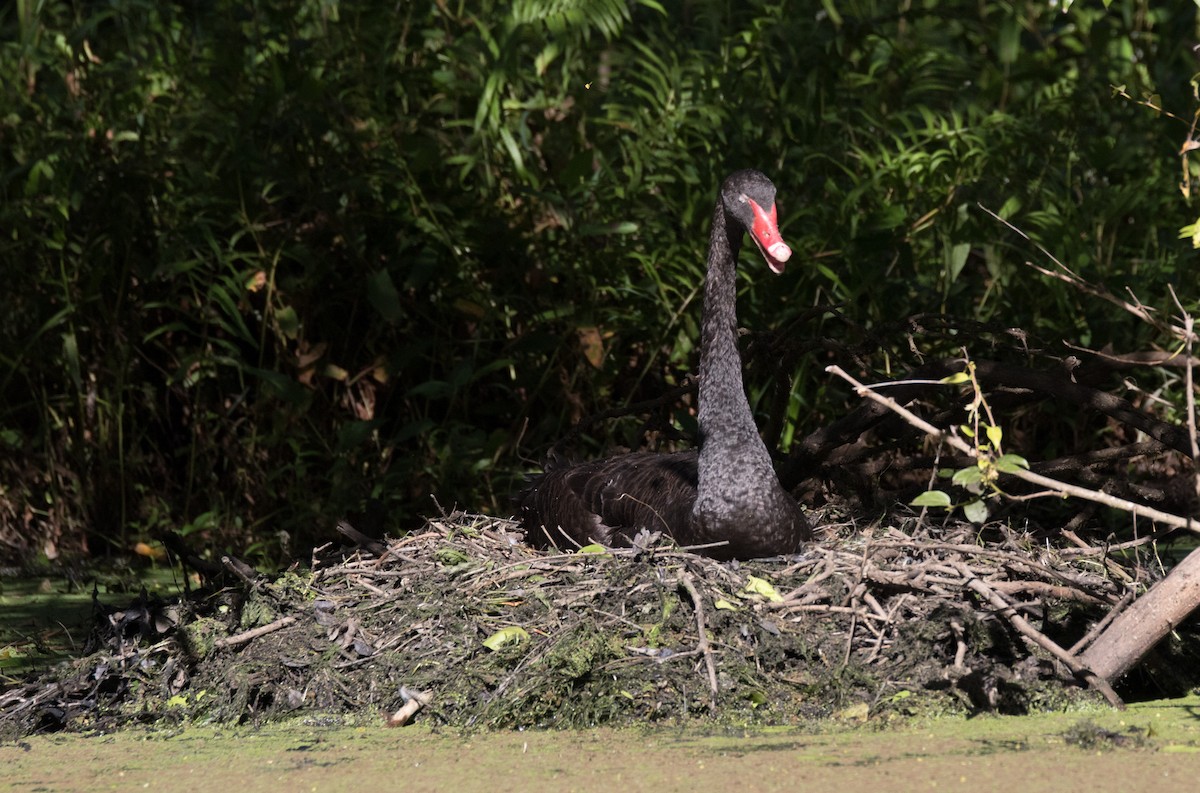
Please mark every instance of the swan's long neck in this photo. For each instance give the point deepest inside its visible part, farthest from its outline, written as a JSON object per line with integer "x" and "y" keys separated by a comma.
{"x": 733, "y": 458}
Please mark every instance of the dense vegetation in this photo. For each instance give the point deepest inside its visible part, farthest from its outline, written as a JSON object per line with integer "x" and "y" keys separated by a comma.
{"x": 265, "y": 262}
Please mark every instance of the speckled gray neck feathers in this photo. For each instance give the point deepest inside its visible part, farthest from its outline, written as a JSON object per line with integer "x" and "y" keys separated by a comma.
{"x": 734, "y": 466}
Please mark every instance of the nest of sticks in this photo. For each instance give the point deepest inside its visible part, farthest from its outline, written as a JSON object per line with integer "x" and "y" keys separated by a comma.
{"x": 462, "y": 624}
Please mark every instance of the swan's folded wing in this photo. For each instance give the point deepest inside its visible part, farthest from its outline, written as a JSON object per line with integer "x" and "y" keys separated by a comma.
{"x": 610, "y": 501}
{"x": 640, "y": 491}
{"x": 554, "y": 516}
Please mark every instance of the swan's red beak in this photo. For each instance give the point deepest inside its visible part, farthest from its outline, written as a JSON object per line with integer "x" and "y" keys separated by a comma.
{"x": 766, "y": 235}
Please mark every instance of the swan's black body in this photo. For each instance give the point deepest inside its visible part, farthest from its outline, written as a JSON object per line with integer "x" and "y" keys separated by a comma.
{"x": 725, "y": 493}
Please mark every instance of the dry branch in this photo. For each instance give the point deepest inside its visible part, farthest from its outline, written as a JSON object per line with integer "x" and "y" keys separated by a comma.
{"x": 251, "y": 635}
{"x": 702, "y": 644}
{"x": 1055, "y": 486}
{"x": 413, "y": 702}
{"x": 1144, "y": 624}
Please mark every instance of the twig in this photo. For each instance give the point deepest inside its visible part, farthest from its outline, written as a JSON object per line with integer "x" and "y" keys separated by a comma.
{"x": 1040, "y": 639}
{"x": 413, "y": 702}
{"x": 1189, "y": 336}
{"x": 702, "y": 645}
{"x": 856, "y": 595}
{"x": 1042, "y": 589}
{"x": 889, "y": 617}
{"x": 1060, "y": 488}
{"x": 960, "y": 652}
{"x": 1065, "y": 274}
{"x": 250, "y": 635}
{"x": 1090, "y": 550}
{"x": 1099, "y": 627}
{"x": 361, "y": 540}
{"x": 823, "y": 608}
{"x": 248, "y": 575}
{"x": 1152, "y": 358}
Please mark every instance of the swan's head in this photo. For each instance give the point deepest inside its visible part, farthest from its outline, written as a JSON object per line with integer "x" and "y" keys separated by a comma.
{"x": 749, "y": 197}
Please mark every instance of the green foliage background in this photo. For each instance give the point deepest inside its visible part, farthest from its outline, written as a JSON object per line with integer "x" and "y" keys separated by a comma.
{"x": 264, "y": 261}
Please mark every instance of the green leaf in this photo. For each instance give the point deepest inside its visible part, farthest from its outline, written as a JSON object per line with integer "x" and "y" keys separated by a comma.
{"x": 432, "y": 389}
{"x": 1192, "y": 232}
{"x": 1009, "y": 46}
{"x": 289, "y": 322}
{"x": 965, "y": 430}
{"x": 606, "y": 229}
{"x": 488, "y": 106}
{"x": 763, "y": 587}
{"x": 283, "y": 385}
{"x": 955, "y": 379}
{"x": 724, "y": 605}
{"x": 514, "y": 151}
{"x": 545, "y": 58}
{"x": 967, "y": 476}
{"x": 932, "y": 498}
{"x": 354, "y": 434}
{"x": 1011, "y": 463}
{"x": 595, "y": 548}
{"x": 450, "y": 557}
{"x": 513, "y": 634}
{"x": 976, "y": 511}
{"x": 831, "y": 10}
{"x": 384, "y": 297}
{"x": 955, "y": 258}
{"x": 994, "y": 434}
{"x": 236, "y": 324}
{"x": 70, "y": 346}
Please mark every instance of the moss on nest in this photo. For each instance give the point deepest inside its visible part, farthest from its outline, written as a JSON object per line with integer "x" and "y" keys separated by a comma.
{"x": 487, "y": 632}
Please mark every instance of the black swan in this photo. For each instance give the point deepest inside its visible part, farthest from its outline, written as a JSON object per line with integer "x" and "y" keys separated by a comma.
{"x": 728, "y": 492}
